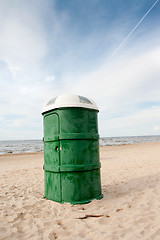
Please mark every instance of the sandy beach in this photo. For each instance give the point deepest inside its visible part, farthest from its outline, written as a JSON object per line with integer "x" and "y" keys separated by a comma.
{"x": 130, "y": 208}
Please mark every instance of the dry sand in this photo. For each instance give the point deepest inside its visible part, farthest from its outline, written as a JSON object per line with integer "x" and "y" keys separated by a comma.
{"x": 130, "y": 208}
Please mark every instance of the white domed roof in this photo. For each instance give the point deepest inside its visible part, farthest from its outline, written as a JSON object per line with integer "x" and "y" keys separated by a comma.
{"x": 69, "y": 100}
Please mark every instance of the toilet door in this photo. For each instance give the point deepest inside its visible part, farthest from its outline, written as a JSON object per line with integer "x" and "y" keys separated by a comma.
{"x": 52, "y": 157}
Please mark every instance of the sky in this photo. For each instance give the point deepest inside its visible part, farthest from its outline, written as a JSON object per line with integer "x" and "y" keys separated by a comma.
{"x": 52, "y": 47}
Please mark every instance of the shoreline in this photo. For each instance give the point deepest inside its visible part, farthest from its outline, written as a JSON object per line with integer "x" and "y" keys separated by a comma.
{"x": 18, "y": 154}
{"x": 101, "y": 146}
{"x": 129, "y": 144}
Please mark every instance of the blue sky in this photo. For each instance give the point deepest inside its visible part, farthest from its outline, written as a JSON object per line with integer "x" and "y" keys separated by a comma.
{"x": 51, "y": 47}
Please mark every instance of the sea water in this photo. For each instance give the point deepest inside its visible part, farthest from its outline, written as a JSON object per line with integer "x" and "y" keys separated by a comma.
{"x": 109, "y": 141}
{"x": 21, "y": 146}
{"x": 28, "y": 146}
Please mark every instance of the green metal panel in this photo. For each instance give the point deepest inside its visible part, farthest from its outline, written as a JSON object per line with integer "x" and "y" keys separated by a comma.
{"x": 51, "y": 126}
{"x": 52, "y": 186}
{"x": 78, "y": 120}
{"x": 52, "y": 158}
{"x": 84, "y": 152}
{"x": 71, "y": 155}
{"x": 81, "y": 187}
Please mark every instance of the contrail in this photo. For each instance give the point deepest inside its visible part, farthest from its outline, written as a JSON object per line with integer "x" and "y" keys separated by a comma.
{"x": 116, "y": 50}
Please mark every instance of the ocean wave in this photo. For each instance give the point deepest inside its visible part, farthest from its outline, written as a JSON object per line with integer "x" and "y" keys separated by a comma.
{"x": 29, "y": 146}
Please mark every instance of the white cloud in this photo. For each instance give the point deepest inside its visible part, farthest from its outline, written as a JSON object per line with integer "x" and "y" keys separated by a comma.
{"x": 49, "y": 78}
{"x": 138, "y": 123}
{"x": 16, "y": 69}
{"x": 22, "y": 40}
{"x": 123, "y": 82}
{"x": 156, "y": 128}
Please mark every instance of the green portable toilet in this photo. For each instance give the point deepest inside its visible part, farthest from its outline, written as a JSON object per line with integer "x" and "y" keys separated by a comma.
{"x": 71, "y": 150}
